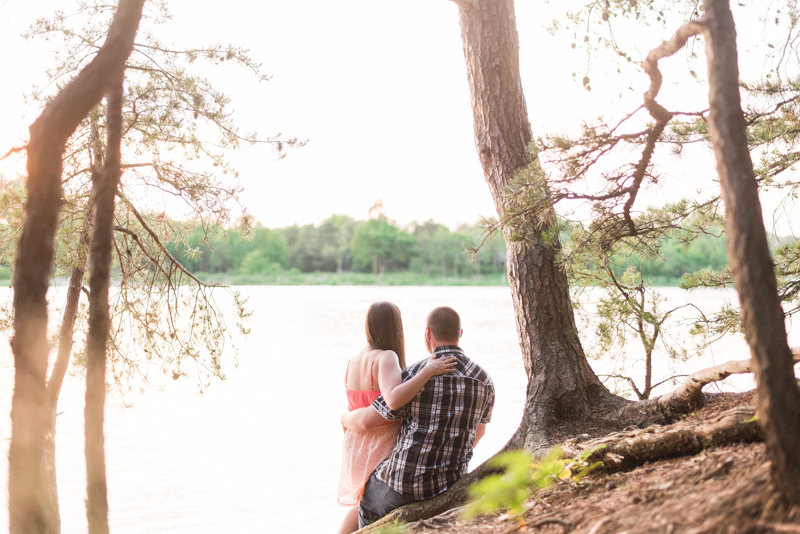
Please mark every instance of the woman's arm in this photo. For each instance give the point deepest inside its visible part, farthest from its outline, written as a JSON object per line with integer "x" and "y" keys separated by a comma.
{"x": 397, "y": 393}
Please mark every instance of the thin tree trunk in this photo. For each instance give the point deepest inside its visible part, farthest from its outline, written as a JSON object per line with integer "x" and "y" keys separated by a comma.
{"x": 53, "y": 391}
{"x": 49, "y": 134}
{"x": 752, "y": 269}
{"x": 99, "y": 321}
{"x": 648, "y": 375}
{"x": 561, "y": 385}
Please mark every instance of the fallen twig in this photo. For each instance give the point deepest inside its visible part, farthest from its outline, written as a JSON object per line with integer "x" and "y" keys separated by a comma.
{"x": 780, "y": 527}
{"x": 596, "y": 527}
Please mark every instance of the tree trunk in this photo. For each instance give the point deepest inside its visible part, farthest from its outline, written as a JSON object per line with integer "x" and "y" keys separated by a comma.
{"x": 561, "y": 385}
{"x": 752, "y": 269}
{"x": 104, "y": 189}
{"x": 52, "y": 514}
{"x": 648, "y": 375}
{"x": 49, "y": 134}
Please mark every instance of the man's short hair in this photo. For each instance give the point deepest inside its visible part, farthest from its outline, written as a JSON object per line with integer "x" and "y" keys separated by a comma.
{"x": 445, "y": 324}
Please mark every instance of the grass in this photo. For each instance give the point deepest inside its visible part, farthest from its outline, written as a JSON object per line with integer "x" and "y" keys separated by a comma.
{"x": 401, "y": 278}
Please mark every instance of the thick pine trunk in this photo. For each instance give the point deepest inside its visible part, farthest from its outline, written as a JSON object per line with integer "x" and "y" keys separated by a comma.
{"x": 561, "y": 385}
{"x": 104, "y": 188}
{"x": 49, "y": 134}
{"x": 748, "y": 253}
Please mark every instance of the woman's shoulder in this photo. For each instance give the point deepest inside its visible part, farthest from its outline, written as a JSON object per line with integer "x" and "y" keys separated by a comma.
{"x": 387, "y": 355}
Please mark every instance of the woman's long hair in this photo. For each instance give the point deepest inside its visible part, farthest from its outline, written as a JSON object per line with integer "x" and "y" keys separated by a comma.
{"x": 385, "y": 329}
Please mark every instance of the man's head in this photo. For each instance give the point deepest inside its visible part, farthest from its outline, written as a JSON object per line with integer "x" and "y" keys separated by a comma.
{"x": 442, "y": 327}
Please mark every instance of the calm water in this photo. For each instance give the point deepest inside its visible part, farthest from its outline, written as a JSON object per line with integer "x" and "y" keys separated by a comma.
{"x": 260, "y": 452}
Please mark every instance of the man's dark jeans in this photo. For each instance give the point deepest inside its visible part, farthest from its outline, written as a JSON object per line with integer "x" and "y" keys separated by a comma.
{"x": 378, "y": 500}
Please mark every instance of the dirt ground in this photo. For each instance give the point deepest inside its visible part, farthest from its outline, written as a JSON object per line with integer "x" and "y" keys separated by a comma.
{"x": 721, "y": 490}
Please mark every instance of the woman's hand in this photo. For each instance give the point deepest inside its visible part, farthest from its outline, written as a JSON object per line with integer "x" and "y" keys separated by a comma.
{"x": 439, "y": 366}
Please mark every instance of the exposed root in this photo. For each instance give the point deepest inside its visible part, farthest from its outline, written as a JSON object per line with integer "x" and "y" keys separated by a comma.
{"x": 435, "y": 508}
{"x": 666, "y": 408}
{"x": 538, "y": 523}
{"x": 624, "y": 450}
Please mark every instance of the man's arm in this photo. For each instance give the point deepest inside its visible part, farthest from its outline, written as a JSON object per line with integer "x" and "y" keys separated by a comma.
{"x": 479, "y": 432}
{"x": 362, "y": 419}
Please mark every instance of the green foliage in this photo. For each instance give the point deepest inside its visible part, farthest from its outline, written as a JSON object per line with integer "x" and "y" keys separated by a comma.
{"x": 341, "y": 244}
{"x": 507, "y": 491}
{"x": 523, "y": 474}
{"x": 581, "y": 466}
{"x": 380, "y": 243}
{"x": 264, "y": 251}
{"x": 294, "y": 277}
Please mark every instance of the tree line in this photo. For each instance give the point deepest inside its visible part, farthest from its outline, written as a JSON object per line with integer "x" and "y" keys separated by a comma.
{"x": 343, "y": 244}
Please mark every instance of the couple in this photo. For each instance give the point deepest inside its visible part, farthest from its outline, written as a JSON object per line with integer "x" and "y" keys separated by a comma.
{"x": 409, "y": 433}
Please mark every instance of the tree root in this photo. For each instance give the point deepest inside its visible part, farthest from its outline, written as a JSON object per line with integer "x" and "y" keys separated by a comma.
{"x": 624, "y": 450}
{"x": 435, "y": 508}
{"x": 686, "y": 398}
{"x": 538, "y": 523}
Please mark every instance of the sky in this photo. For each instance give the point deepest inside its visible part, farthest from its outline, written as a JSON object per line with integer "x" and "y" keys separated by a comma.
{"x": 378, "y": 88}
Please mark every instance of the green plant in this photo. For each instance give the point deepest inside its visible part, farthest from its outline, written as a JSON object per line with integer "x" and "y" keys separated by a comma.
{"x": 581, "y": 466}
{"x": 522, "y": 473}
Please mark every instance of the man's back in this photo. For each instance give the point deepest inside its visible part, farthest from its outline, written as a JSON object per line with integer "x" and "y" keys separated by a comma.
{"x": 438, "y": 428}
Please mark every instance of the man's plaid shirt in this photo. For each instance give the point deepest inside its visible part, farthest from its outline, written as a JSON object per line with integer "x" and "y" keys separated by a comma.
{"x": 438, "y": 429}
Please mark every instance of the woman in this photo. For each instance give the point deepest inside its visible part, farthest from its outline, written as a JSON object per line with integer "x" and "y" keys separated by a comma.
{"x": 377, "y": 371}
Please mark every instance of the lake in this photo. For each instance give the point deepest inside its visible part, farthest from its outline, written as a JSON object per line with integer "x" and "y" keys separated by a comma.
{"x": 261, "y": 450}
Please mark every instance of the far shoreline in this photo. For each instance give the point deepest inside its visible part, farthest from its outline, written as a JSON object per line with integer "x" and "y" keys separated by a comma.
{"x": 397, "y": 278}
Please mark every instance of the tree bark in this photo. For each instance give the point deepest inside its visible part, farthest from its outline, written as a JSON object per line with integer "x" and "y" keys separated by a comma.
{"x": 561, "y": 385}
{"x": 49, "y": 134}
{"x": 625, "y": 450}
{"x": 54, "y": 383}
{"x": 752, "y": 269}
{"x": 104, "y": 189}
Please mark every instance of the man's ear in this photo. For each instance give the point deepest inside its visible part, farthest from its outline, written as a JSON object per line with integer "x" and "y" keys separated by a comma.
{"x": 427, "y": 333}
{"x": 461, "y": 333}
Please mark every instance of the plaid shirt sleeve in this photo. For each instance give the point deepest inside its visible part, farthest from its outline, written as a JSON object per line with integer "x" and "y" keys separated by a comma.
{"x": 386, "y": 412}
{"x": 486, "y": 414}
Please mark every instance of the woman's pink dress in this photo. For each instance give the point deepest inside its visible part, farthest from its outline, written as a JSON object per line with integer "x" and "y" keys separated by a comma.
{"x": 363, "y": 451}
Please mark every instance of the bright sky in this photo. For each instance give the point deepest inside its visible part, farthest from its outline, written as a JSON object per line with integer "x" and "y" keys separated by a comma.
{"x": 379, "y": 89}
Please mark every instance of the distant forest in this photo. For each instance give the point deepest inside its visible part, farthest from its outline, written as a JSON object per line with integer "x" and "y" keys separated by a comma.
{"x": 341, "y": 244}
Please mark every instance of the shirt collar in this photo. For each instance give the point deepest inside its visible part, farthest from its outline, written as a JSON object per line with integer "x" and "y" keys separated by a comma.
{"x": 443, "y": 349}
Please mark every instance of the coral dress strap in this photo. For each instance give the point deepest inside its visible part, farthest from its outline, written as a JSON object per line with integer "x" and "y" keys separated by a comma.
{"x": 370, "y": 375}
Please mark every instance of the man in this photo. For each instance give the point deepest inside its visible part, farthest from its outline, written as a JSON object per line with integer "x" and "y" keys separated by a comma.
{"x": 439, "y": 429}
